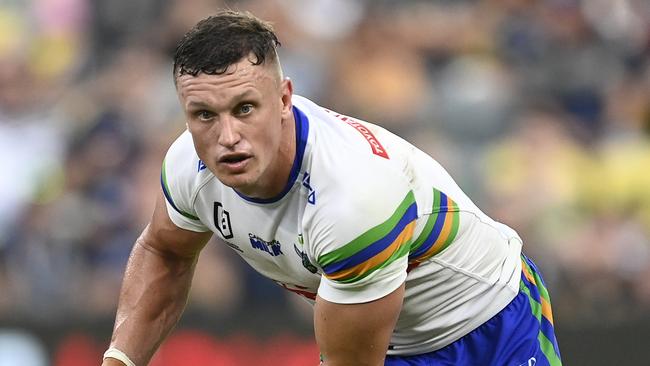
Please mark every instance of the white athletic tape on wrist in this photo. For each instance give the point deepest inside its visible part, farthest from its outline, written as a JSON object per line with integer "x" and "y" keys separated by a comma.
{"x": 118, "y": 355}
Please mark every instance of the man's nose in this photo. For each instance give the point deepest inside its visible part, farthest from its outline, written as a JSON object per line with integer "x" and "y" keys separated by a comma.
{"x": 228, "y": 132}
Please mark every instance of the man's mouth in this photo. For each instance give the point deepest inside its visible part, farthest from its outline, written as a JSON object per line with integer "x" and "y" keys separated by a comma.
{"x": 234, "y": 161}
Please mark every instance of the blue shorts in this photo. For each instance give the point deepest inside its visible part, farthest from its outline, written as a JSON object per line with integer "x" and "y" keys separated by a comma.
{"x": 519, "y": 335}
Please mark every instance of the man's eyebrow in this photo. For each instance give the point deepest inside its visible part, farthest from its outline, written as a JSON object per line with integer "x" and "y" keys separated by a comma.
{"x": 245, "y": 94}
{"x": 197, "y": 105}
{"x": 234, "y": 100}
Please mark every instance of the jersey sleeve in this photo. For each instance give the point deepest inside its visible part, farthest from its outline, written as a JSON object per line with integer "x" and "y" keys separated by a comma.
{"x": 361, "y": 242}
{"x": 178, "y": 178}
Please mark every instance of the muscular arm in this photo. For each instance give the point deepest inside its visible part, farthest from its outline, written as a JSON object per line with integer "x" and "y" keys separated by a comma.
{"x": 356, "y": 334}
{"x": 155, "y": 286}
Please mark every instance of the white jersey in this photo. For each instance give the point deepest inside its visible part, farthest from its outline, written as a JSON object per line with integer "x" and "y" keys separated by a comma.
{"x": 363, "y": 211}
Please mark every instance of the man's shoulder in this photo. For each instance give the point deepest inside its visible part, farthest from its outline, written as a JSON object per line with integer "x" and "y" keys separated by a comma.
{"x": 354, "y": 194}
{"x": 182, "y": 176}
{"x": 181, "y": 158}
{"x": 182, "y": 170}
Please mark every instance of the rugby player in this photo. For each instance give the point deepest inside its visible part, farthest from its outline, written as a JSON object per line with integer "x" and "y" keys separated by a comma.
{"x": 401, "y": 266}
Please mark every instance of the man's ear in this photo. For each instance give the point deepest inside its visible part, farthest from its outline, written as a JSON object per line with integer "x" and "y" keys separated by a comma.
{"x": 286, "y": 90}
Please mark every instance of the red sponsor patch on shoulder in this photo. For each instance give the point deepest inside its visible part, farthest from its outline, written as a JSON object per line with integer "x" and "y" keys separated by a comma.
{"x": 375, "y": 145}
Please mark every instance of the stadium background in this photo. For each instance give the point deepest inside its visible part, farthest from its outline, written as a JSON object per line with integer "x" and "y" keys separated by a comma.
{"x": 539, "y": 108}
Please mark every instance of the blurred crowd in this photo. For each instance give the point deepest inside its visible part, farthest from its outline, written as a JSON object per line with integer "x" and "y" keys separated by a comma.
{"x": 539, "y": 108}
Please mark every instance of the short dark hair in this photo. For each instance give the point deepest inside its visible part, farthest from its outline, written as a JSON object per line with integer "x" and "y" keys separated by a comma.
{"x": 223, "y": 39}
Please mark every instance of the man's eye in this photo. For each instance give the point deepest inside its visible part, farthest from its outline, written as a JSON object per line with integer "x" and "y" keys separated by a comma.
{"x": 245, "y": 108}
{"x": 204, "y": 115}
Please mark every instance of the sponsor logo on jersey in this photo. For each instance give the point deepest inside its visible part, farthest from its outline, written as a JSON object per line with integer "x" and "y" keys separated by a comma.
{"x": 222, "y": 221}
{"x": 375, "y": 145}
{"x": 305, "y": 261}
{"x": 311, "y": 197}
{"x": 201, "y": 165}
{"x": 271, "y": 247}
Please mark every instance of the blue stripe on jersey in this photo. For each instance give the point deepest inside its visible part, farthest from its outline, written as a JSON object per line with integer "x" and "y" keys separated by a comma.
{"x": 168, "y": 197}
{"x": 376, "y": 247}
{"x": 437, "y": 228}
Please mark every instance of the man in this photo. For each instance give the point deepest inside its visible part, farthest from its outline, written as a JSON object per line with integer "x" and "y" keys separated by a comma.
{"x": 402, "y": 268}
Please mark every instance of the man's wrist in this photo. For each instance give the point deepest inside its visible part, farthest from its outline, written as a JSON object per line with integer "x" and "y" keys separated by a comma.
{"x": 112, "y": 362}
{"x": 116, "y": 354}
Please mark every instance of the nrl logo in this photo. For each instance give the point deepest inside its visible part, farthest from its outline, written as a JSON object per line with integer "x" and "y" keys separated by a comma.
{"x": 222, "y": 221}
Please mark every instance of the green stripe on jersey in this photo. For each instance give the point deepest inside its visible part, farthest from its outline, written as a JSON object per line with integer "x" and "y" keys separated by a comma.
{"x": 548, "y": 350}
{"x": 399, "y": 253}
{"x": 370, "y": 236}
{"x": 428, "y": 226}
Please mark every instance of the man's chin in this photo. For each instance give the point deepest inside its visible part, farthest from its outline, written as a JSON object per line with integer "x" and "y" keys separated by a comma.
{"x": 232, "y": 181}
{"x": 238, "y": 182}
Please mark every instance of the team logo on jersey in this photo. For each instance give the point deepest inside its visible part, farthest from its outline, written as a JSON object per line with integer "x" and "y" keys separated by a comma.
{"x": 305, "y": 261}
{"x": 311, "y": 197}
{"x": 271, "y": 247}
{"x": 222, "y": 221}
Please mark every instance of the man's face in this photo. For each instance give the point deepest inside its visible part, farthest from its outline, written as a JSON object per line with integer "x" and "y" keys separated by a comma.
{"x": 242, "y": 125}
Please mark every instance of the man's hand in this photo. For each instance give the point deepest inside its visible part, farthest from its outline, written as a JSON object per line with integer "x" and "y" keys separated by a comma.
{"x": 356, "y": 334}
